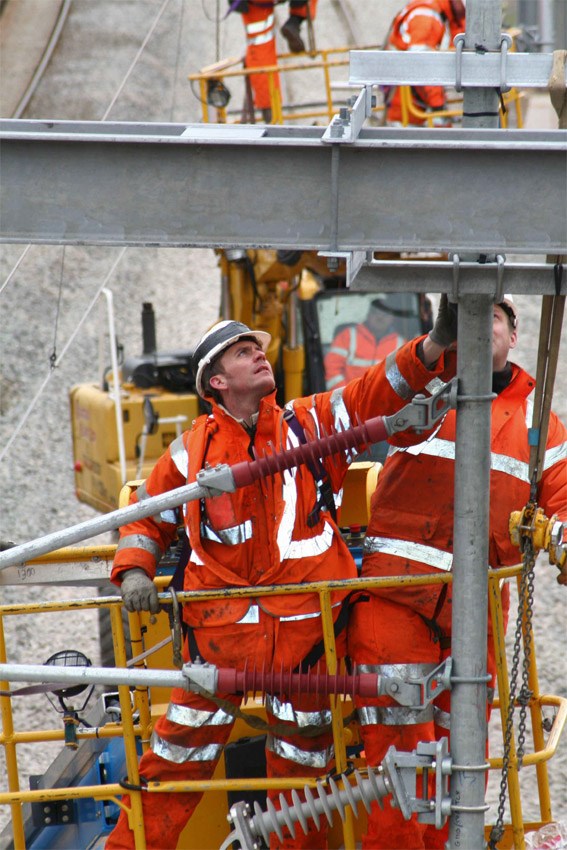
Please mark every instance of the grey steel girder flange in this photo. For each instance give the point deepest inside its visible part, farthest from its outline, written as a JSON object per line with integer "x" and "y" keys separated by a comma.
{"x": 500, "y": 191}
{"x": 491, "y": 69}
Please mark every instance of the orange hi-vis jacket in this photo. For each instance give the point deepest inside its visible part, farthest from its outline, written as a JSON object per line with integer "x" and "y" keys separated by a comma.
{"x": 259, "y": 534}
{"x": 355, "y": 349}
{"x": 411, "y": 527}
{"x": 421, "y": 25}
{"x": 259, "y": 24}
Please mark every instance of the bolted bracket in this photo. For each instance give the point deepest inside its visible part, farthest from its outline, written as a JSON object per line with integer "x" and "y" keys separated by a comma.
{"x": 346, "y": 126}
{"x": 400, "y": 770}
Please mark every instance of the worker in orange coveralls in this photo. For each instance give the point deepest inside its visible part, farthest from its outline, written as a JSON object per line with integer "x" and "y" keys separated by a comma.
{"x": 356, "y": 347}
{"x": 258, "y": 19}
{"x": 411, "y": 533}
{"x": 280, "y": 529}
{"x": 423, "y": 25}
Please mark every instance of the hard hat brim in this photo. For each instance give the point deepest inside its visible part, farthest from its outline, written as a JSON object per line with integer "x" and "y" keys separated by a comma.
{"x": 262, "y": 338}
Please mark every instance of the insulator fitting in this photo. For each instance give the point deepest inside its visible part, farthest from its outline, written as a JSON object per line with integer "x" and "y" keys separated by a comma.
{"x": 319, "y": 801}
{"x": 371, "y": 431}
{"x": 294, "y": 685}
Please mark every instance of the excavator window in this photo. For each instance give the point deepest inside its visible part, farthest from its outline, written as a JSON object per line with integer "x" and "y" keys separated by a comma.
{"x": 347, "y": 331}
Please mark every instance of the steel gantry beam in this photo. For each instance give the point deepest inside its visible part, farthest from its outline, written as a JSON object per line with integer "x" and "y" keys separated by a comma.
{"x": 202, "y": 186}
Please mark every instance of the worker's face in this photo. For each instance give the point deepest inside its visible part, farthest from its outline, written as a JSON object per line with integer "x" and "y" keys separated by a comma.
{"x": 244, "y": 370}
{"x": 378, "y": 321}
{"x": 504, "y": 338}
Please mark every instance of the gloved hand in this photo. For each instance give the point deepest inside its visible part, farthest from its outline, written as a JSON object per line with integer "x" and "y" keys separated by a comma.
{"x": 444, "y": 331}
{"x": 139, "y": 592}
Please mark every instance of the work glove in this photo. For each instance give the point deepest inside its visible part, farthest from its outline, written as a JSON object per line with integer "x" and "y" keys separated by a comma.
{"x": 139, "y": 592}
{"x": 444, "y": 331}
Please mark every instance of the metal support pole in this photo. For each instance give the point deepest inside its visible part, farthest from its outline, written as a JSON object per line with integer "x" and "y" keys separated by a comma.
{"x": 483, "y": 32}
{"x": 470, "y": 569}
{"x": 472, "y": 482}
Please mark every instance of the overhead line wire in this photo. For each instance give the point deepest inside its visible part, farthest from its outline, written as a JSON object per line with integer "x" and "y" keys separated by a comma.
{"x": 56, "y": 363}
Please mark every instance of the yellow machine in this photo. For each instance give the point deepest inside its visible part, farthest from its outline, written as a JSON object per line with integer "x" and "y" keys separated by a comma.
{"x": 122, "y": 426}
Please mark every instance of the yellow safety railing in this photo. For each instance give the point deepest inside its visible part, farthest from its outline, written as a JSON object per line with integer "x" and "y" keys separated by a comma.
{"x": 512, "y": 99}
{"x": 322, "y": 61}
{"x": 139, "y": 704}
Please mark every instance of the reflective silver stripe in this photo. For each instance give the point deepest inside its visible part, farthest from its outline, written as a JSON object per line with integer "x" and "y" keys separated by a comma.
{"x": 295, "y": 617}
{"x": 229, "y": 536}
{"x": 262, "y": 39}
{"x": 341, "y": 420}
{"x": 259, "y": 26}
{"x": 194, "y": 718}
{"x": 140, "y": 541}
{"x": 289, "y": 495}
{"x": 251, "y": 616}
{"x": 179, "y": 755}
{"x": 195, "y": 559}
{"x": 434, "y": 385}
{"x": 180, "y": 455}
{"x": 314, "y": 758}
{"x": 332, "y": 382}
{"x": 395, "y": 377}
{"x": 429, "y": 555}
{"x": 335, "y": 349}
{"x": 399, "y": 715}
{"x": 412, "y": 670}
{"x": 554, "y": 455}
{"x": 165, "y": 516}
{"x": 341, "y": 416}
{"x": 169, "y": 516}
{"x": 286, "y": 711}
{"x": 441, "y": 718}
{"x": 312, "y": 545}
{"x": 141, "y": 492}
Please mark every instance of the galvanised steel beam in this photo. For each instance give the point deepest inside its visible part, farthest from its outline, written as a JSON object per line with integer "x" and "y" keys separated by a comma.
{"x": 226, "y": 186}
{"x": 389, "y": 67}
{"x": 468, "y": 279}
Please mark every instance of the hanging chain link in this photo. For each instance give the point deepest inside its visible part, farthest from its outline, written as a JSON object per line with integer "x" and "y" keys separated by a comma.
{"x": 523, "y": 625}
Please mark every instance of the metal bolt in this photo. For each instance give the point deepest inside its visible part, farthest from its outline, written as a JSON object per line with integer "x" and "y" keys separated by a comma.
{"x": 394, "y": 687}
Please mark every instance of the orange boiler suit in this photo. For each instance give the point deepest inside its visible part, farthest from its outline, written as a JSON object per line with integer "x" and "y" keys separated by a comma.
{"x": 407, "y": 631}
{"x": 259, "y": 24}
{"x": 258, "y": 535}
{"x": 353, "y": 350}
{"x": 421, "y": 25}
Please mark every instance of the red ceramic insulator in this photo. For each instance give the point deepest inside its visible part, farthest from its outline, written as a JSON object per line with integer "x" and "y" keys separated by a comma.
{"x": 371, "y": 431}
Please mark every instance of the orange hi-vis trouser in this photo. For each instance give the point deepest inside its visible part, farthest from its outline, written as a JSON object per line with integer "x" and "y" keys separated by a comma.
{"x": 187, "y": 741}
{"x": 261, "y": 46}
{"x": 394, "y": 640}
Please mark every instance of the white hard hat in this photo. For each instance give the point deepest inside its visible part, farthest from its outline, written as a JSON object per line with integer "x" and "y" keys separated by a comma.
{"x": 509, "y": 308}
{"x": 221, "y": 336}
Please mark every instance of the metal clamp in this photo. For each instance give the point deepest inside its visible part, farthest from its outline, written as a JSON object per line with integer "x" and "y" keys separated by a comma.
{"x": 346, "y": 126}
{"x": 456, "y": 269}
{"x": 505, "y": 43}
{"x": 424, "y": 412}
{"x": 420, "y": 691}
{"x": 499, "y": 278}
{"x": 459, "y": 42}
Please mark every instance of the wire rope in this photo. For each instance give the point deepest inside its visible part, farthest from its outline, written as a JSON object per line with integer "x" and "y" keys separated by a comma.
{"x": 14, "y": 268}
{"x": 149, "y": 34}
{"x": 56, "y": 360}
{"x": 60, "y": 357}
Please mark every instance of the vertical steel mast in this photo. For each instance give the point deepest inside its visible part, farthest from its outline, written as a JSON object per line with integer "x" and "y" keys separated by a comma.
{"x": 472, "y": 484}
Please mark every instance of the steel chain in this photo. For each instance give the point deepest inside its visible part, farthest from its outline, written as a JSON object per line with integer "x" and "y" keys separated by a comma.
{"x": 525, "y": 611}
